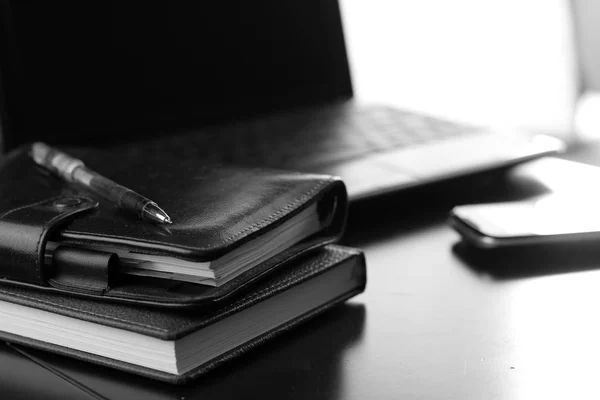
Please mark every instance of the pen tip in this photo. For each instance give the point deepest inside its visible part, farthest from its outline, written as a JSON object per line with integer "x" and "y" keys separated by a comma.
{"x": 154, "y": 213}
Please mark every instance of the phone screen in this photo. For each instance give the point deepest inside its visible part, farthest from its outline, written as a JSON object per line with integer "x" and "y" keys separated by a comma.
{"x": 546, "y": 215}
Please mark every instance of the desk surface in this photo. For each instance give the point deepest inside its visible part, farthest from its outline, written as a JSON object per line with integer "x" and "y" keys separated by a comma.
{"x": 430, "y": 325}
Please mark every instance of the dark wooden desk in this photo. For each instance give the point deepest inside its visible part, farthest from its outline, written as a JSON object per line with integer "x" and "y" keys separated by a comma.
{"x": 430, "y": 325}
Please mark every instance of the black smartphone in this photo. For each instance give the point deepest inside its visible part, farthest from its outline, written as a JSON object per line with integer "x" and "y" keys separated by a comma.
{"x": 546, "y": 219}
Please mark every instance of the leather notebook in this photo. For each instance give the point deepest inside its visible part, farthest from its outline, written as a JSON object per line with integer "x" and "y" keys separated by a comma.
{"x": 177, "y": 345}
{"x": 232, "y": 226}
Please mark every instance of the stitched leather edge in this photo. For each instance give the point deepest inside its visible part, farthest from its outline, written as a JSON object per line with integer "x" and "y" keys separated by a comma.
{"x": 303, "y": 199}
{"x": 318, "y": 267}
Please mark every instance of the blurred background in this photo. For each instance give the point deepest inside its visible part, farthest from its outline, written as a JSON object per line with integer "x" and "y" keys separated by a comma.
{"x": 510, "y": 62}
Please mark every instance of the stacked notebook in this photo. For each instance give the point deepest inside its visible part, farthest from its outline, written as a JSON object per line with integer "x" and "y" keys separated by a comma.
{"x": 249, "y": 255}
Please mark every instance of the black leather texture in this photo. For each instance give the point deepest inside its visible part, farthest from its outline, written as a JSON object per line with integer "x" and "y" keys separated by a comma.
{"x": 84, "y": 270}
{"x": 23, "y": 234}
{"x": 175, "y": 324}
{"x": 215, "y": 208}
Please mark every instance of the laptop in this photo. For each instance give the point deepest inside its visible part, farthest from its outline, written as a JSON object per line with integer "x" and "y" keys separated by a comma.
{"x": 254, "y": 83}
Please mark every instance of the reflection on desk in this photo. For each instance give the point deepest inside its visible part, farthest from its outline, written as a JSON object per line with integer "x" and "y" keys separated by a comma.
{"x": 22, "y": 378}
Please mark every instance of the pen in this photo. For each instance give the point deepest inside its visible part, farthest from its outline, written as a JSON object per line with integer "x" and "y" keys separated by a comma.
{"x": 74, "y": 170}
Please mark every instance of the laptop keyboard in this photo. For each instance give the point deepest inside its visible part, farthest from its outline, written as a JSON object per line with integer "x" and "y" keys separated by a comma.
{"x": 331, "y": 135}
{"x": 308, "y": 138}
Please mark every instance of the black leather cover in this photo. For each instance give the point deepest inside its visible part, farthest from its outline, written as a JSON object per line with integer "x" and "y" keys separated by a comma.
{"x": 174, "y": 324}
{"x": 214, "y": 208}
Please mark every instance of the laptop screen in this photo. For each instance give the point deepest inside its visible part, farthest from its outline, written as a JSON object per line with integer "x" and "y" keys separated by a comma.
{"x": 84, "y": 72}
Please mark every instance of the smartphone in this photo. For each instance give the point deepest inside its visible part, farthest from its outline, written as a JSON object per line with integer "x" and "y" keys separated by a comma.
{"x": 547, "y": 219}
